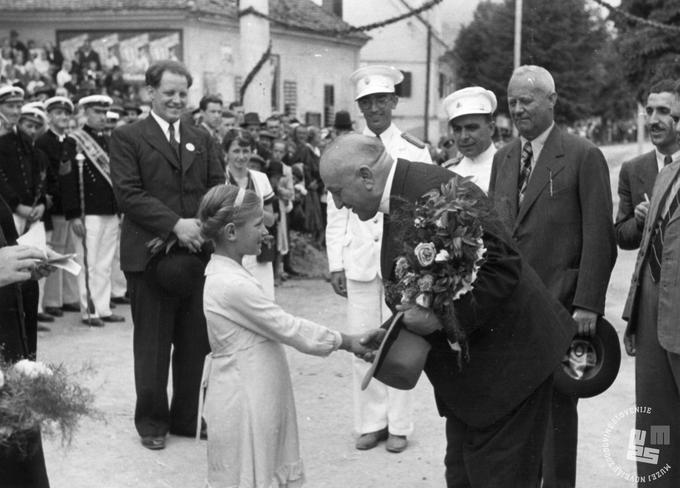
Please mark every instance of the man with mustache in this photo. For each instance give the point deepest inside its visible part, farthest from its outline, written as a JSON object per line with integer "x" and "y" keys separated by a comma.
{"x": 161, "y": 168}
{"x": 636, "y": 179}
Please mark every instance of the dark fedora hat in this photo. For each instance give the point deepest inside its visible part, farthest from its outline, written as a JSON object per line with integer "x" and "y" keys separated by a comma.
{"x": 591, "y": 363}
{"x": 342, "y": 120}
{"x": 251, "y": 118}
{"x": 400, "y": 358}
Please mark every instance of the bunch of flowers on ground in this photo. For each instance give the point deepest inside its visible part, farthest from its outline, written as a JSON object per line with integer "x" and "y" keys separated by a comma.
{"x": 442, "y": 250}
{"x": 36, "y": 396}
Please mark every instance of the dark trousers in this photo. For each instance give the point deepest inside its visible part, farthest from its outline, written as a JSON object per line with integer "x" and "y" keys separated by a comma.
{"x": 504, "y": 454}
{"x": 24, "y": 469}
{"x": 30, "y": 294}
{"x": 559, "y": 452}
{"x": 657, "y": 390}
{"x": 166, "y": 328}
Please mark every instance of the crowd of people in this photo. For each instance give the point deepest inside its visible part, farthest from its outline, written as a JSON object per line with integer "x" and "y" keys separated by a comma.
{"x": 186, "y": 215}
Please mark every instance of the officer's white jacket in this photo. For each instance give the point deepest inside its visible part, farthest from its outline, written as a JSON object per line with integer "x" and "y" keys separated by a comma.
{"x": 353, "y": 245}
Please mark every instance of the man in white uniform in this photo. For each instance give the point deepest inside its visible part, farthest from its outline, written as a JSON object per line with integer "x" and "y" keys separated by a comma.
{"x": 353, "y": 246}
{"x": 470, "y": 112}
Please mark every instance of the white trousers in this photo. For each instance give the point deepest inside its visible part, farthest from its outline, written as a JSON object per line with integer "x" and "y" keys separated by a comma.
{"x": 101, "y": 239}
{"x": 118, "y": 282}
{"x": 61, "y": 287}
{"x": 378, "y": 406}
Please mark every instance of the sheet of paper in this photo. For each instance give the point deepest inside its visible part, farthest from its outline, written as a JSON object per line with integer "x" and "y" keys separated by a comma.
{"x": 35, "y": 236}
{"x": 69, "y": 265}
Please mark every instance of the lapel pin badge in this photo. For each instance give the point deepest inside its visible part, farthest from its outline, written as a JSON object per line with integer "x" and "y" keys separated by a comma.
{"x": 190, "y": 147}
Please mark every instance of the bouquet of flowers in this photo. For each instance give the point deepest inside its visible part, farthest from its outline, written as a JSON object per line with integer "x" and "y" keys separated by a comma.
{"x": 36, "y": 396}
{"x": 442, "y": 250}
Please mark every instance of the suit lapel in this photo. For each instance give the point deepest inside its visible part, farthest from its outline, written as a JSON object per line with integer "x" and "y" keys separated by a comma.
{"x": 388, "y": 251}
{"x": 506, "y": 184}
{"x": 188, "y": 146}
{"x": 648, "y": 171}
{"x": 155, "y": 137}
{"x": 666, "y": 178}
{"x": 549, "y": 164}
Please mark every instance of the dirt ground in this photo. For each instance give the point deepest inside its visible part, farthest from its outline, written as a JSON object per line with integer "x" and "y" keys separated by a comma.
{"x": 107, "y": 454}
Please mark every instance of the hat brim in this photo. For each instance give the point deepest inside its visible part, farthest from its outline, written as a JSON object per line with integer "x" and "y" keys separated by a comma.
{"x": 400, "y": 358}
{"x": 605, "y": 344}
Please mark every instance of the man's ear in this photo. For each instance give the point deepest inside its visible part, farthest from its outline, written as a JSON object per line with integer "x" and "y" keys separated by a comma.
{"x": 366, "y": 175}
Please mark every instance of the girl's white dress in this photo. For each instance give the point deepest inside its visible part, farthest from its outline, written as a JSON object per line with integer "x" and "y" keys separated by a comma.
{"x": 249, "y": 404}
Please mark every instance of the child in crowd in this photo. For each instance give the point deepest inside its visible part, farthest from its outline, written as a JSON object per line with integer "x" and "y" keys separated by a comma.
{"x": 249, "y": 404}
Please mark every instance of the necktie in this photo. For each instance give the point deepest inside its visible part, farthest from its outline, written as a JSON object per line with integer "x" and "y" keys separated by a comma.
{"x": 667, "y": 160}
{"x": 525, "y": 170}
{"x": 656, "y": 249}
{"x": 171, "y": 139}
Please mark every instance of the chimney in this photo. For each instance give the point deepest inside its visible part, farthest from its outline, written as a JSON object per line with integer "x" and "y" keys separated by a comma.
{"x": 333, "y": 6}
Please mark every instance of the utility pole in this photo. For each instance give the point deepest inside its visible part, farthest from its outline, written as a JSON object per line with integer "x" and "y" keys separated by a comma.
{"x": 517, "y": 59}
{"x": 426, "y": 128}
{"x": 254, "y": 37}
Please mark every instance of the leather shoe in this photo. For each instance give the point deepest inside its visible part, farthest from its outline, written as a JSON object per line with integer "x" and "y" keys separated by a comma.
{"x": 113, "y": 318}
{"x": 43, "y": 317}
{"x": 93, "y": 322}
{"x": 70, "y": 307}
{"x": 396, "y": 443}
{"x": 153, "y": 442}
{"x": 54, "y": 311}
{"x": 120, "y": 300}
{"x": 370, "y": 439}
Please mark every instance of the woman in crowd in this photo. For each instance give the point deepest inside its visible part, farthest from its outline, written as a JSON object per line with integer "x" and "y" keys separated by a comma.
{"x": 237, "y": 147}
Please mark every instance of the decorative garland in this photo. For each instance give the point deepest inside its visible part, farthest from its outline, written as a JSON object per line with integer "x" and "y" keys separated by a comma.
{"x": 634, "y": 18}
{"x": 256, "y": 69}
{"x": 345, "y": 30}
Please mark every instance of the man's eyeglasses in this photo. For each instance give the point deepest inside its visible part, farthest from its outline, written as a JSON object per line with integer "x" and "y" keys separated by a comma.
{"x": 381, "y": 101}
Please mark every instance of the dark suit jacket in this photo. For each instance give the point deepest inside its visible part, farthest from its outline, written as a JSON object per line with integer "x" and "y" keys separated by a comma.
{"x": 668, "y": 331}
{"x": 564, "y": 228}
{"x": 153, "y": 188}
{"x": 517, "y": 332}
{"x": 635, "y": 179}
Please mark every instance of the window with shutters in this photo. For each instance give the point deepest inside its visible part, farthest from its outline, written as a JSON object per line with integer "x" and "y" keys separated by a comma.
{"x": 328, "y": 104}
{"x": 290, "y": 97}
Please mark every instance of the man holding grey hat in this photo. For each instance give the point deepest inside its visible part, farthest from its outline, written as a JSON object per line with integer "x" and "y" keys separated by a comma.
{"x": 380, "y": 412}
{"x": 470, "y": 112}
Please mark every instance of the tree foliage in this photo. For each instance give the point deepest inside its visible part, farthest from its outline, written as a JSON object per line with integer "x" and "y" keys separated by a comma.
{"x": 564, "y": 36}
{"x": 650, "y": 53}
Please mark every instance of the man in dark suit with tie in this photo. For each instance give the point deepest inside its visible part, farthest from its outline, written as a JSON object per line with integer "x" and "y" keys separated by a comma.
{"x": 653, "y": 333}
{"x": 161, "y": 169}
{"x": 497, "y": 405}
{"x": 552, "y": 191}
{"x": 637, "y": 176}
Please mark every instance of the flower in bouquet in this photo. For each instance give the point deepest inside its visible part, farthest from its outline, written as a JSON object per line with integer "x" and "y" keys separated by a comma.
{"x": 36, "y": 396}
{"x": 442, "y": 250}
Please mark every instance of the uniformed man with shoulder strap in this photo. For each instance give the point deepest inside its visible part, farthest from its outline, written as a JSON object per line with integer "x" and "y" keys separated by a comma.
{"x": 90, "y": 207}
{"x": 353, "y": 246}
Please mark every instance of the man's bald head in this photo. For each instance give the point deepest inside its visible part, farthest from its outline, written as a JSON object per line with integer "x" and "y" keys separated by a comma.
{"x": 354, "y": 168}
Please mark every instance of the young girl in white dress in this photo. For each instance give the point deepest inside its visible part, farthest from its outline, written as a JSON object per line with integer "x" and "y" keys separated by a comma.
{"x": 249, "y": 406}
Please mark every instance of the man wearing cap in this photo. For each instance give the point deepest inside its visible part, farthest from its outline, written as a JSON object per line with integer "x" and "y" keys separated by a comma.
{"x": 496, "y": 404}
{"x": 90, "y": 207}
{"x": 353, "y": 247}
{"x": 22, "y": 186}
{"x": 162, "y": 167}
{"x": 210, "y": 107}
{"x": 470, "y": 112}
{"x": 132, "y": 112}
{"x": 552, "y": 191}
{"x": 61, "y": 288}
{"x": 342, "y": 123}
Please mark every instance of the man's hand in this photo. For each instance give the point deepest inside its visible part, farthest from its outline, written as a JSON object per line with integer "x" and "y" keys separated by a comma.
{"x": 339, "y": 283}
{"x": 23, "y": 211}
{"x": 586, "y": 321}
{"x": 419, "y": 320}
{"x": 369, "y": 343}
{"x": 188, "y": 232}
{"x": 78, "y": 227}
{"x": 640, "y": 212}
{"x": 17, "y": 263}
{"x": 36, "y": 213}
{"x": 629, "y": 344}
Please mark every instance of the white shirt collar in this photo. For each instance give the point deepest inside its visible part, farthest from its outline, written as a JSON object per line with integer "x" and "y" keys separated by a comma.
{"x": 484, "y": 155}
{"x": 60, "y": 137}
{"x": 660, "y": 157}
{"x": 386, "y": 136}
{"x": 165, "y": 126}
{"x": 387, "y": 192}
{"x": 537, "y": 143}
